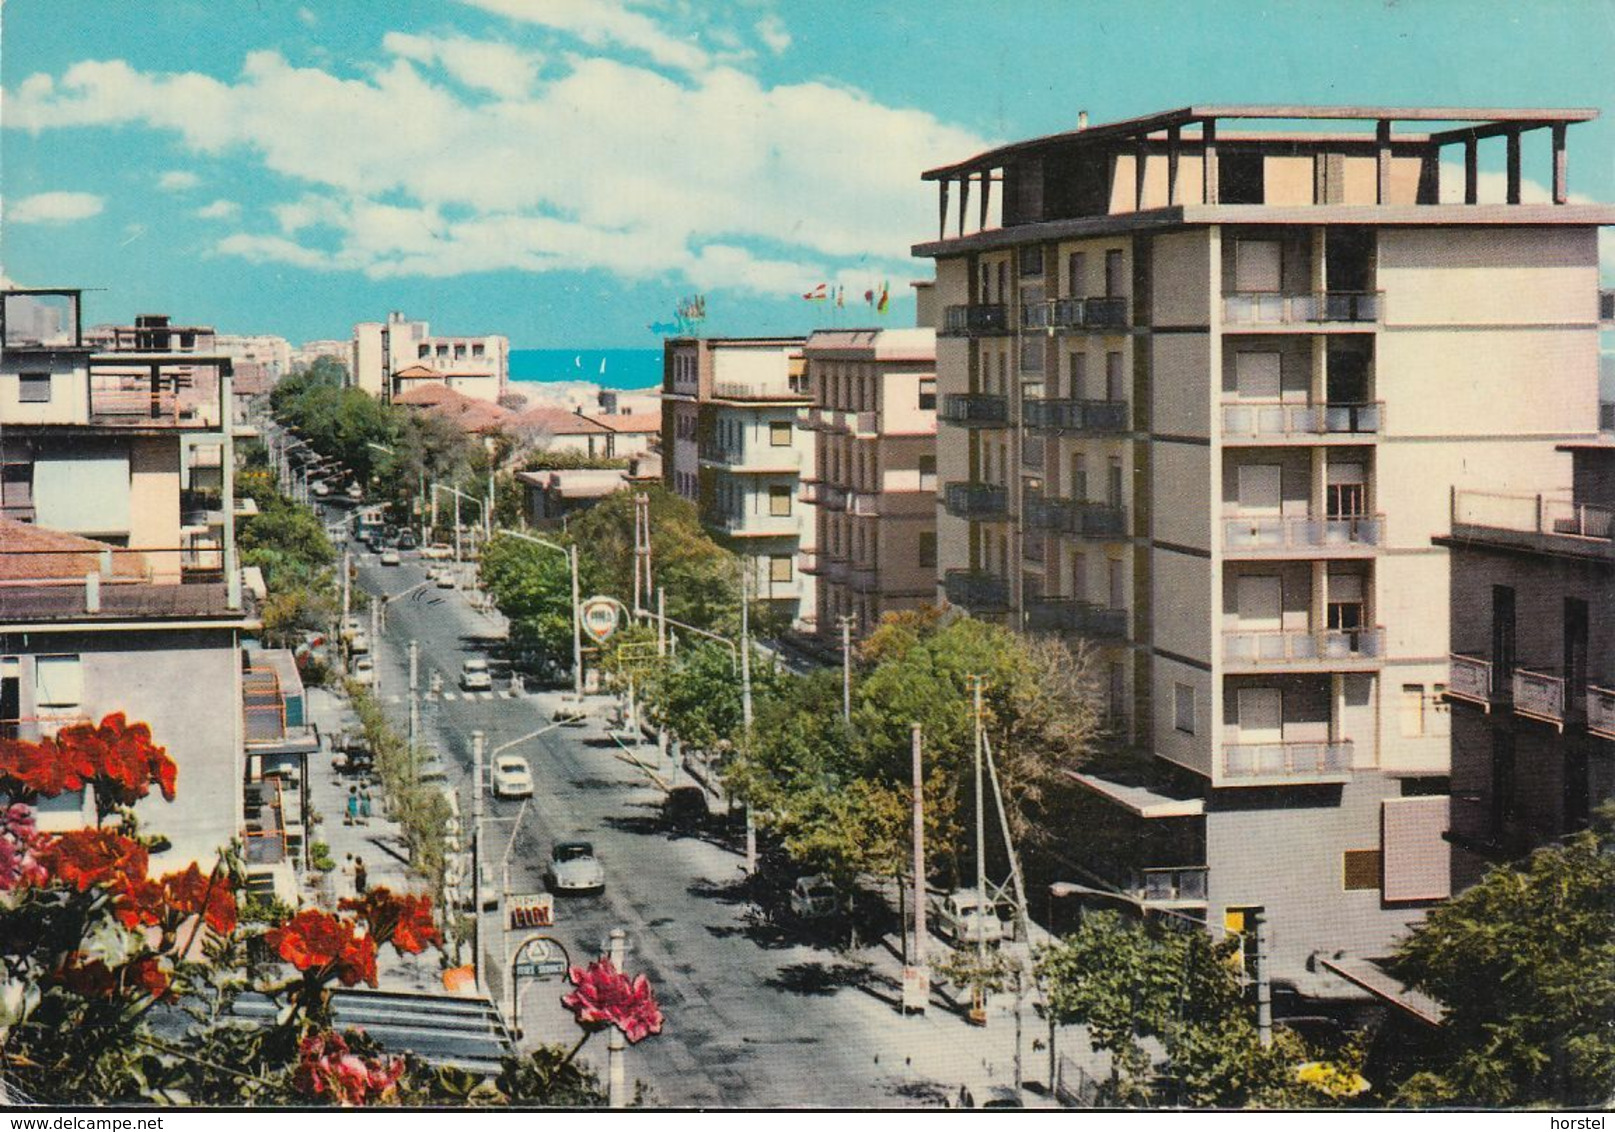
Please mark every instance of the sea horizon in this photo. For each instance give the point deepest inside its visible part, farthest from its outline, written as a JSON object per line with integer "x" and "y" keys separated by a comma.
{"x": 612, "y": 368}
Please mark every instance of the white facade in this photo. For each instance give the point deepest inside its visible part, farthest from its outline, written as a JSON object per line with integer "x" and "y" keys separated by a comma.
{"x": 478, "y": 366}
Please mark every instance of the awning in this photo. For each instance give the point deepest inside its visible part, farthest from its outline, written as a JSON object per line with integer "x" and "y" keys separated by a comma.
{"x": 1140, "y": 800}
{"x": 1380, "y": 983}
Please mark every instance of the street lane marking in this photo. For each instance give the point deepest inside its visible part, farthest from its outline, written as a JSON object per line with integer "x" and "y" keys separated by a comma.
{"x": 487, "y": 695}
{"x": 448, "y": 696}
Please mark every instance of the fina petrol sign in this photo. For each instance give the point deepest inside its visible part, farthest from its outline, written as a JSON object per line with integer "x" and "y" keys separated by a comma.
{"x": 600, "y": 617}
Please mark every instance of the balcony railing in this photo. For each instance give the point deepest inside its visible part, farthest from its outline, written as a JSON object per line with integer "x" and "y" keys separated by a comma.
{"x": 975, "y": 410}
{"x": 1279, "y": 648}
{"x": 1476, "y": 679}
{"x": 1533, "y": 514}
{"x": 1076, "y": 416}
{"x": 1601, "y": 711}
{"x": 1253, "y": 308}
{"x": 1069, "y": 615}
{"x": 752, "y": 458}
{"x": 831, "y": 497}
{"x": 1291, "y": 761}
{"x": 1171, "y": 886}
{"x": 1540, "y": 695}
{"x": 973, "y": 500}
{"x": 1273, "y": 533}
{"x": 758, "y": 526}
{"x": 863, "y": 503}
{"x": 975, "y": 319}
{"x": 976, "y": 589}
{"x": 756, "y": 391}
{"x": 1277, "y": 420}
{"x": 1076, "y": 517}
{"x": 1103, "y": 312}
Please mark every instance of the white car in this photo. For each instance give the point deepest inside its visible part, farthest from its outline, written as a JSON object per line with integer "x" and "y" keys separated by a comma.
{"x": 355, "y": 493}
{"x": 389, "y": 557}
{"x": 438, "y": 550}
{"x": 573, "y": 868}
{"x": 813, "y": 897}
{"x": 511, "y": 777}
{"x": 350, "y": 626}
{"x": 432, "y": 769}
{"x": 359, "y": 643}
{"x": 961, "y": 919}
{"x": 474, "y": 676}
{"x": 458, "y": 891}
{"x": 322, "y": 489}
{"x": 364, "y": 672}
{"x": 444, "y": 577}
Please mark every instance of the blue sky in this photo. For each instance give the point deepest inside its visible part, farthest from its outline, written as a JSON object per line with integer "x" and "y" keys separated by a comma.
{"x": 562, "y": 171}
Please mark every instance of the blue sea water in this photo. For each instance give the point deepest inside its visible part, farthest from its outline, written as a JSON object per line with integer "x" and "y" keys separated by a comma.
{"x": 614, "y": 369}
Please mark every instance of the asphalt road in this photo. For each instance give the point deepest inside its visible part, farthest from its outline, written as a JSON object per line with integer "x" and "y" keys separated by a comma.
{"x": 756, "y": 1015}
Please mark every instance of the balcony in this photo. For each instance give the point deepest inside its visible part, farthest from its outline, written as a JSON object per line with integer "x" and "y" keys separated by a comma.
{"x": 758, "y": 526}
{"x": 756, "y": 458}
{"x": 1543, "y": 523}
{"x": 865, "y": 504}
{"x": 1266, "y": 764}
{"x": 831, "y": 497}
{"x": 1541, "y": 695}
{"x": 1076, "y": 517}
{"x": 809, "y": 562}
{"x": 1474, "y": 679}
{"x": 1601, "y": 712}
{"x": 1180, "y": 886}
{"x": 972, "y": 500}
{"x": 1333, "y": 650}
{"x": 1264, "y": 309}
{"x": 756, "y": 391}
{"x": 863, "y": 577}
{"x": 975, "y": 410}
{"x": 156, "y": 398}
{"x": 1101, "y": 312}
{"x": 1276, "y": 421}
{"x": 1069, "y": 615}
{"x": 1270, "y": 536}
{"x": 976, "y": 590}
{"x": 975, "y": 320}
{"x": 1095, "y": 417}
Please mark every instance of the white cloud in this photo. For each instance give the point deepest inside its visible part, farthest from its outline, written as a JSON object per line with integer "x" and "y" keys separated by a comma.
{"x": 578, "y": 163}
{"x": 601, "y": 23}
{"x": 54, "y": 208}
{"x": 220, "y": 210}
{"x": 307, "y": 16}
{"x": 178, "y": 180}
{"x": 771, "y": 30}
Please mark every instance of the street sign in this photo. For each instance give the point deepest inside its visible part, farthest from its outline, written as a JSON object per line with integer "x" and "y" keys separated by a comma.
{"x": 600, "y": 616}
{"x": 539, "y": 968}
{"x": 916, "y": 988}
{"x": 535, "y": 910}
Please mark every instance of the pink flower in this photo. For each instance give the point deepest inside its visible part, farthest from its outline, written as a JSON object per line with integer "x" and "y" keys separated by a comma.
{"x": 607, "y": 997}
{"x": 20, "y": 844}
{"x": 328, "y": 1069}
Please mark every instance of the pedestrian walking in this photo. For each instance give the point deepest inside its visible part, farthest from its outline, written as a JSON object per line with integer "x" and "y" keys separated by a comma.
{"x": 364, "y": 807}
{"x": 361, "y": 877}
{"x": 352, "y": 814}
{"x": 349, "y": 879}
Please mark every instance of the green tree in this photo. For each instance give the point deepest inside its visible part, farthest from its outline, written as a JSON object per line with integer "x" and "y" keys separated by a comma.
{"x": 532, "y": 586}
{"x": 1525, "y": 964}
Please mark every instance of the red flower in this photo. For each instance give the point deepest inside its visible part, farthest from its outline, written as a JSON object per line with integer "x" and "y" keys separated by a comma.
{"x": 89, "y": 857}
{"x": 317, "y": 941}
{"x": 92, "y": 979}
{"x": 48, "y": 768}
{"x": 190, "y": 893}
{"x": 141, "y": 905}
{"x": 607, "y": 997}
{"x": 20, "y": 844}
{"x": 404, "y": 921}
{"x": 119, "y": 759}
{"x": 147, "y": 975}
{"x": 328, "y": 1068}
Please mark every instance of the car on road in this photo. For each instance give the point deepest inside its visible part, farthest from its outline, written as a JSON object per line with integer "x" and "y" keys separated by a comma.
{"x": 432, "y": 768}
{"x": 355, "y": 493}
{"x": 573, "y": 868}
{"x": 364, "y": 672}
{"x": 571, "y": 712}
{"x": 961, "y": 918}
{"x": 685, "y": 808}
{"x": 351, "y": 625}
{"x": 407, "y": 539}
{"x": 443, "y": 577}
{"x": 475, "y": 677}
{"x": 359, "y": 643}
{"x": 814, "y": 897}
{"x": 389, "y": 557}
{"x": 322, "y": 489}
{"x": 512, "y": 778}
{"x": 437, "y": 550}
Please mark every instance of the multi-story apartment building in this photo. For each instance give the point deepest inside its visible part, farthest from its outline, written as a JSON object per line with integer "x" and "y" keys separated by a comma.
{"x": 388, "y": 357}
{"x": 732, "y": 446}
{"x": 114, "y": 597}
{"x": 874, "y": 410}
{"x": 1532, "y": 683}
{"x": 1203, "y": 397}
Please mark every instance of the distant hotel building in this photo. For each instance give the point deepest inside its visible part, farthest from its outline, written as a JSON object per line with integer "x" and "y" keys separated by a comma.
{"x": 732, "y": 446}
{"x": 874, "y": 410}
{"x": 391, "y": 357}
{"x": 1203, "y": 398}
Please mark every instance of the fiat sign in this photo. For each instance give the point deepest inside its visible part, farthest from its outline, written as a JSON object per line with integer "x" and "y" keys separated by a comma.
{"x": 600, "y": 617}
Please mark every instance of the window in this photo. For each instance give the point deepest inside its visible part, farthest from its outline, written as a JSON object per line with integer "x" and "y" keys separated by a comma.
{"x": 1077, "y": 387}
{"x": 10, "y": 697}
{"x": 459, "y": 349}
{"x": 58, "y": 682}
{"x": 477, "y": 352}
{"x": 1117, "y": 698}
{"x": 779, "y": 500}
{"x": 1079, "y": 576}
{"x": 1115, "y": 378}
{"x": 423, "y": 351}
{"x": 442, "y": 349}
{"x": 16, "y": 490}
{"x": 1116, "y": 578}
{"x": 1031, "y": 260}
{"x": 1258, "y": 266}
{"x": 779, "y": 568}
{"x": 1183, "y": 708}
{"x": 1079, "y": 477}
{"x": 1113, "y": 485}
{"x": 927, "y": 548}
{"x": 1032, "y": 347}
{"x": 928, "y": 393}
{"x": 1115, "y": 287}
{"x": 927, "y": 472}
{"x": 779, "y": 434}
{"x": 1412, "y": 713}
{"x": 1360, "y": 869}
{"x": 1076, "y": 269}
{"x": 33, "y": 387}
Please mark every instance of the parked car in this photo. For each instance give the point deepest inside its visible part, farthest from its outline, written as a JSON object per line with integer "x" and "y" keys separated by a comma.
{"x": 322, "y": 489}
{"x": 573, "y": 868}
{"x": 364, "y": 671}
{"x": 512, "y": 778}
{"x": 355, "y": 493}
{"x": 685, "y": 807}
{"x": 407, "y": 539}
{"x": 571, "y": 712}
{"x": 474, "y": 676}
{"x": 350, "y": 626}
{"x": 432, "y": 769}
{"x": 960, "y": 918}
{"x": 443, "y": 577}
{"x": 437, "y": 550}
{"x": 390, "y": 557}
{"x": 459, "y": 892}
{"x": 359, "y": 643}
{"x": 813, "y": 897}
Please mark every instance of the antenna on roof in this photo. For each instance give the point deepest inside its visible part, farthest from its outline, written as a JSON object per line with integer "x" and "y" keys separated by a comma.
{"x": 1082, "y": 119}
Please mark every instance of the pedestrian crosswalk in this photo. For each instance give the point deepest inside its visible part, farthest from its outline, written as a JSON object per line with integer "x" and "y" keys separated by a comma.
{"x": 450, "y": 697}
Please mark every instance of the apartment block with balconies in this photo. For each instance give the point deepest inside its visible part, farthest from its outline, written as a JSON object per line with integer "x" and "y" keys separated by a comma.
{"x": 732, "y": 445}
{"x": 875, "y": 488}
{"x": 1206, "y": 380}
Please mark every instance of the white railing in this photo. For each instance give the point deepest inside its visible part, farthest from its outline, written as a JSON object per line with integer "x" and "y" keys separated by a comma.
{"x": 1272, "y": 532}
{"x": 1533, "y": 514}
{"x": 1540, "y": 695}
{"x": 755, "y": 391}
{"x": 1279, "y": 647}
{"x": 1262, "y": 418}
{"x": 1601, "y": 711}
{"x": 1254, "y": 307}
{"x": 1286, "y": 760}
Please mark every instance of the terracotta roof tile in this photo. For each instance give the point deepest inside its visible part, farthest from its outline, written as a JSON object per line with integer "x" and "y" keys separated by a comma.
{"x": 31, "y": 553}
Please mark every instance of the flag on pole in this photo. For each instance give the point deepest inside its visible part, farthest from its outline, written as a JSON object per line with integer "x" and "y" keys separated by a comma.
{"x": 869, "y": 296}
{"x": 885, "y": 298}
{"x": 841, "y": 296}
{"x": 818, "y": 294}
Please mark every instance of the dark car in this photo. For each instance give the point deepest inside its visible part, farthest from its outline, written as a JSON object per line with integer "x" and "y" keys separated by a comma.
{"x": 685, "y": 808}
{"x": 407, "y": 539}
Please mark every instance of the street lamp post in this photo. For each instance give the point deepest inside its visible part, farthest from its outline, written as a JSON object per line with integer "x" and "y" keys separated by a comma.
{"x": 577, "y": 624}
{"x": 459, "y": 495}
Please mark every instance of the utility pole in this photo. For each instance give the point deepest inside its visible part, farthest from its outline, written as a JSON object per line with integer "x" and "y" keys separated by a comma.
{"x": 577, "y": 625}
{"x": 745, "y": 706}
{"x": 661, "y": 621}
{"x": 475, "y": 882}
{"x": 919, "y": 849}
{"x": 1264, "y": 982}
{"x": 616, "y": 1070}
{"x": 981, "y": 857}
{"x": 347, "y": 586}
{"x": 846, "y": 620}
{"x": 457, "y": 557}
{"x": 414, "y": 686}
{"x": 375, "y": 644}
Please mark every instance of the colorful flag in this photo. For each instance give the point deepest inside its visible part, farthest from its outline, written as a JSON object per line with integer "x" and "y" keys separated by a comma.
{"x": 818, "y": 294}
{"x": 885, "y": 298}
{"x": 841, "y": 296}
{"x": 869, "y": 296}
